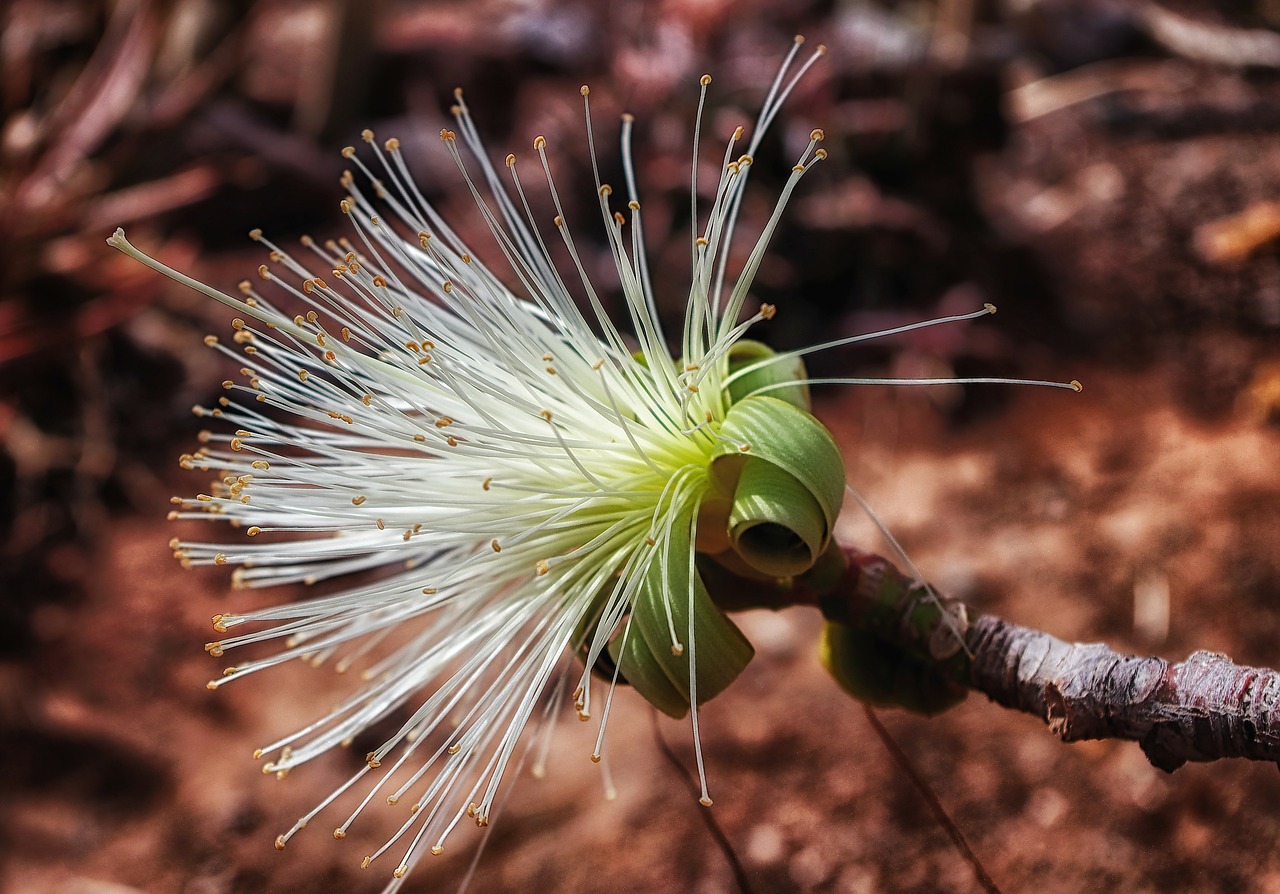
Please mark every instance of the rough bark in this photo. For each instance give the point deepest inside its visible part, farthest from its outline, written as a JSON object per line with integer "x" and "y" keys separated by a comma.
{"x": 1202, "y": 709}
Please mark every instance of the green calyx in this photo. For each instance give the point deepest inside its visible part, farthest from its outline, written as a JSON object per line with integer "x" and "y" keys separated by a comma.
{"x": 754, "y": 366}
{"x": 786, "y": 476}
{"x": 775, "y": 483}
{"x": 678, "y": 646}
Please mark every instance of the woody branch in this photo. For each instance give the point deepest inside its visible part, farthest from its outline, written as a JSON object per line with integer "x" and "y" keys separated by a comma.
{"x": 1202, "y": 709}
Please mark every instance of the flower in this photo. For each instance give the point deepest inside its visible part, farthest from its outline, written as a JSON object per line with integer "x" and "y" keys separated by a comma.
{"x": 525, "y": 482}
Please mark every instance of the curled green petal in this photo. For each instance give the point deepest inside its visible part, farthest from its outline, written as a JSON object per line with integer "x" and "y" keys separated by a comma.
{"x": 786, "y": 476}
{"x": 775, "y": 524}
{"x": 661, "y": 607}
{"x": 642, "y": 670}
{"x": 752, "y": 367}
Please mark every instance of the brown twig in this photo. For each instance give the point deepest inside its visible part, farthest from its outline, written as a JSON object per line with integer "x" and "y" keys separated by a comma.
{"x": 1203, "y": 709}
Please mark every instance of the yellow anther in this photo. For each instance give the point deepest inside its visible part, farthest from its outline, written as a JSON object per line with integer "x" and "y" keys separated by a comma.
{"x": 817, "y": 135}
{"x": 511, "y": 160}
{"x": 584, "y": 90}
{"x": 539, "y": 143}
{"x": 356, "y": 501}
{"x": 497, "y": 547}
{"x": 392, "y": 144}
{"x": 253, "y": 531}
{"x": 705, "y": 80}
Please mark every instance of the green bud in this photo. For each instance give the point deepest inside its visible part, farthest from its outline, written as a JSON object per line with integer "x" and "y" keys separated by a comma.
{"x": 877, "y": 672}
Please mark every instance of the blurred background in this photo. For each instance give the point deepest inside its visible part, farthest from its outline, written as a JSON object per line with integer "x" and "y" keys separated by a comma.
{"x": 1106, "y": 172}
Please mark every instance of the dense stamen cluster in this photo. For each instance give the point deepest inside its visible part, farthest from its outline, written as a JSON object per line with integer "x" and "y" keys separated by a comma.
{"x": 527, "y": 482}
{"x": 513, "y": 466}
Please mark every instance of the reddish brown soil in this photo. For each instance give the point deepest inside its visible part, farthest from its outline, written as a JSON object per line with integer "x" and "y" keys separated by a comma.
{"x": 1113, "y": 231}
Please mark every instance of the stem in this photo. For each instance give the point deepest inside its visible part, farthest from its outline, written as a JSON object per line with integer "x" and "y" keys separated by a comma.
{"x": 1203, "y": 709}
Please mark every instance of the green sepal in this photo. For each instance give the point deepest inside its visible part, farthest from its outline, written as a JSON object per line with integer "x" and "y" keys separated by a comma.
{"x": 778, "y": 434}
{"x": 748, "y": 354}
{"x": 775, "y": 524}
{"x": 875, "y": 671}
{"x": 720, "y": 650}
{"x": 638, "y": 666}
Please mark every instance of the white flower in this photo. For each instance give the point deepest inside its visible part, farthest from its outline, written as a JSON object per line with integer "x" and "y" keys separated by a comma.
{"x": 527, "y": 482}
